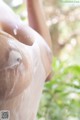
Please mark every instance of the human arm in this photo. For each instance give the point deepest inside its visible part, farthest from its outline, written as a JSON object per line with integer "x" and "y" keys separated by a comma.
{"x": 37, "y": 19}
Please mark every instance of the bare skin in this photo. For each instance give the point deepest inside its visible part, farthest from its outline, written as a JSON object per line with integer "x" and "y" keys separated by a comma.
{"x": 37, "y": 19}
{"x": 25, "y": 63}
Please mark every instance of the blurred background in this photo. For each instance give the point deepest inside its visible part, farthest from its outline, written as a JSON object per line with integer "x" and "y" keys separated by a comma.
{"x": 61, "y": 96}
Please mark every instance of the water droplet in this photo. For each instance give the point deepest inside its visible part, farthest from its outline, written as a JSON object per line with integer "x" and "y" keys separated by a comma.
{"x": 15, "y": 30}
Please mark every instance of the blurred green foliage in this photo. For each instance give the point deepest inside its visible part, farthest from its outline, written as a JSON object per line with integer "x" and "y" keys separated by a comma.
{"x": 61, "y": 95}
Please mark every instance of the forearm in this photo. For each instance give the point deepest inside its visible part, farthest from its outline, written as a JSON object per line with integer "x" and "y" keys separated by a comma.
{"x": 10, "y": 23}
{"x": 37, "y": 19}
